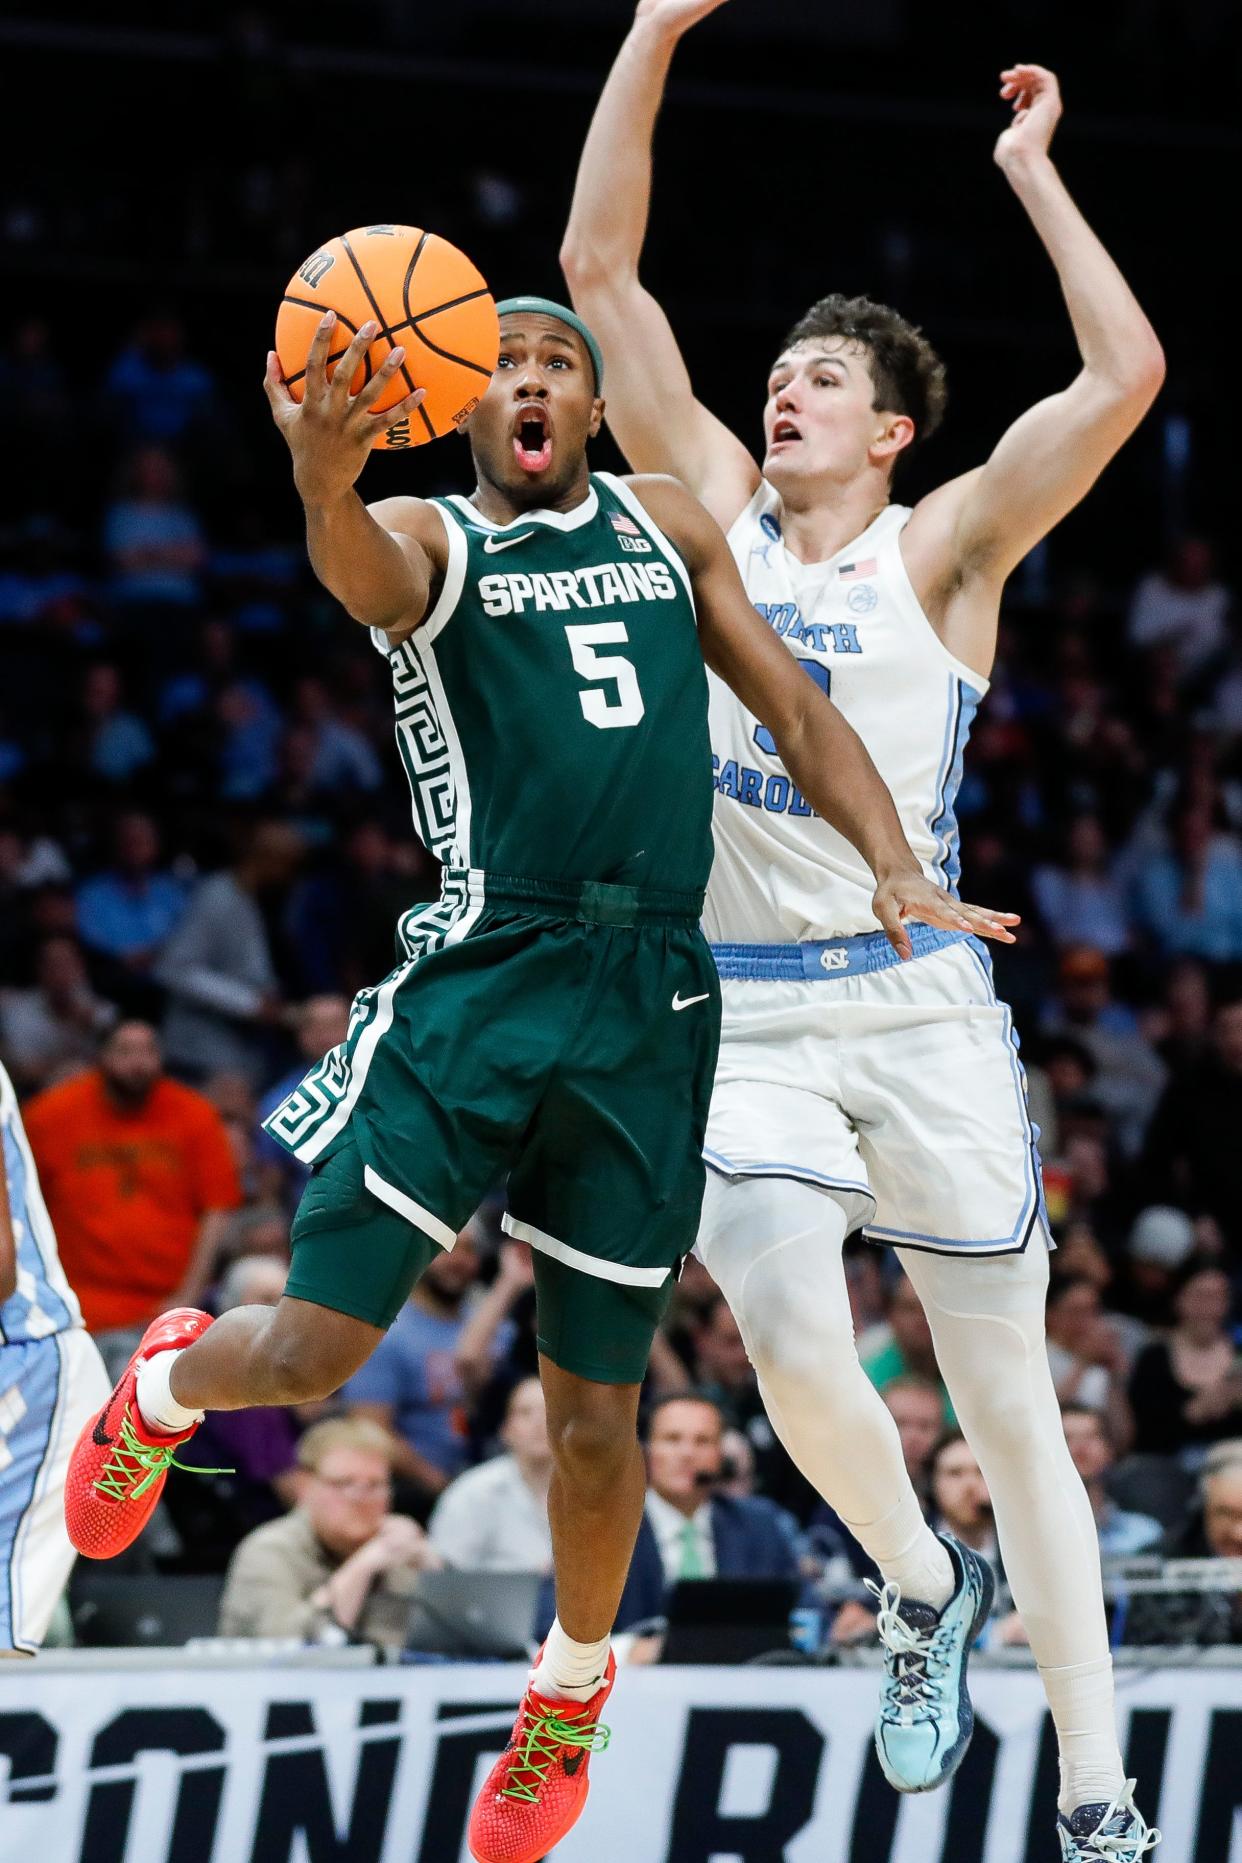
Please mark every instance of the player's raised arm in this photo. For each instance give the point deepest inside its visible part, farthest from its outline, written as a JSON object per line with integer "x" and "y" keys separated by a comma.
{"x": 978, "y": 528}
{"x": 659, "y": 424}
{"x": 825, "y": 756}
{"x": 380, "y": 563}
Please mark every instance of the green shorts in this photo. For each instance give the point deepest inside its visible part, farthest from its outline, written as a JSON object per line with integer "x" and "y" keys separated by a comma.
{"x": 564, "y": 1037}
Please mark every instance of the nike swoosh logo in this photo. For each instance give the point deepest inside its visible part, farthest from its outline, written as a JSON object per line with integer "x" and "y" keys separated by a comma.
{"x": 572, "y": 1761}
{"x": 684, "y": 1002}
{"x": 99, "y": 1435}
{"x": 493, "y": 545}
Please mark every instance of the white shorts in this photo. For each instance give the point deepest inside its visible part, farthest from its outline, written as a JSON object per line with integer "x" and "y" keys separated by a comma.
{"x": 48, "y": 1388}
{"x": 897, "y": 1088}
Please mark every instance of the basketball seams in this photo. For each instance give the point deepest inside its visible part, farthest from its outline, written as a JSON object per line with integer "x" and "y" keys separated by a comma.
{"x": 411, "y": 384}
{"x": 462, "y": 362}
{"x": 335, "y": 356}
{"x": 412, "y": 323}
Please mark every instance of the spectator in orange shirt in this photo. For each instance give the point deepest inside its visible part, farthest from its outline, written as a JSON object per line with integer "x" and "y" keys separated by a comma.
{"x": 139, "y": 1178}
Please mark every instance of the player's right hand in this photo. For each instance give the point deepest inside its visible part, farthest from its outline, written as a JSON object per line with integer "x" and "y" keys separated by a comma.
{"x": 330, "y": 432}
{"x": 676, "y": 16}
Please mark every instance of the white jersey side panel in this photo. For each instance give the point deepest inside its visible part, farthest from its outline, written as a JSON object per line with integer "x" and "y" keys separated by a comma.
{"x": 781, "y": 873}
{"x": 44, "y": 1302}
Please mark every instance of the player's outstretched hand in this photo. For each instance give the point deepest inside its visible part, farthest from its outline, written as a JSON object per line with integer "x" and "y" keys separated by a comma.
{"x": 675, "y": 16}
{"x": 330, "y": 432}
{"x": 1036, "y": 98}
{"x": 912, "y": 897}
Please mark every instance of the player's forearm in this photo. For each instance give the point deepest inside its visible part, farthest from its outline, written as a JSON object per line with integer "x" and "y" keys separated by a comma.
{"x": 612, "y": 195}
{"x": 361, "y": 563}
{"x": 831, "y": 766}
{"x": 1115, "y": 339}
{"x": 201, "y": 1266}
{"x": 8, "y": 1242}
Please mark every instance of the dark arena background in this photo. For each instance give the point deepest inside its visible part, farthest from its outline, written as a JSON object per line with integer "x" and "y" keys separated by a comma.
{"x": 183, "y": 707}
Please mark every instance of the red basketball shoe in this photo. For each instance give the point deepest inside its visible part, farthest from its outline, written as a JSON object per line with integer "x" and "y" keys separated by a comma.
{"x": 118, "y": 1466}
{"x": 535, "y": 1792}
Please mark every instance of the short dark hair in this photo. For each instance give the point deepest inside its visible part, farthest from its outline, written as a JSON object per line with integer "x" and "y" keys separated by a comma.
{"x": 948, "y": 1439}
{"x": 691, "y": 1395}
{"x": 1072, "y": 1408}
{"x": 908, "y": 375}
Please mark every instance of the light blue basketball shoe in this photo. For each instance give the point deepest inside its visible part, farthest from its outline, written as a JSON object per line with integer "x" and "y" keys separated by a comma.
{"x": 926, "y": 1720}
{"x": 1116, "y": 1833}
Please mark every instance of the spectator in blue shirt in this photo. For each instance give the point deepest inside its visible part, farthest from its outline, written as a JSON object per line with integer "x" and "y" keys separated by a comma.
{"x": 153, "y": 389}
{"x": 118, "y": 743}
{"x": 1189, "y": 898}
{"x": 128, "y": 911}
{"x": 153, "y": 540}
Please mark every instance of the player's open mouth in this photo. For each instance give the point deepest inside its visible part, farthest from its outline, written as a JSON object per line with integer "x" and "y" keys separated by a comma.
{"x": 532, "y": 439}
{"x": 783, "y": 431}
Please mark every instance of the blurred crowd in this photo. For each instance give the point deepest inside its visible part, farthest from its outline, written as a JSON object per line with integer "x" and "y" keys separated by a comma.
{"x": 205, "y": 846}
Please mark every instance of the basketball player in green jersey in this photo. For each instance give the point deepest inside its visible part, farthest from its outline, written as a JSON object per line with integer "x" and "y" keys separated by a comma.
{"x": 554, "y": 1017}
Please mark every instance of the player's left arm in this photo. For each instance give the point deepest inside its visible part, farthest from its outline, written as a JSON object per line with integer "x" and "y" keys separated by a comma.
{"x": 8, "y": 1241}
{"x": 979, "y": 527}
{"x": 822, "y": 752}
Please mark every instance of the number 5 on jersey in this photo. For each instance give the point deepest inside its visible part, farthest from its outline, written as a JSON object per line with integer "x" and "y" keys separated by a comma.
{"x": 603, "y": 709}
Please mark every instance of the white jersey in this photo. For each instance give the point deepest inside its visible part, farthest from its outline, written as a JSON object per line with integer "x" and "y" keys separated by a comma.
{"x": 781, "y": 873}
{"x": 44, "y": 1303}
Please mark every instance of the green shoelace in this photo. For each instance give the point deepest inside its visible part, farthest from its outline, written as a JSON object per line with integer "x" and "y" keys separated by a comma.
{"x": 131, "y": 1454}
{"x": 546, "y": 1734}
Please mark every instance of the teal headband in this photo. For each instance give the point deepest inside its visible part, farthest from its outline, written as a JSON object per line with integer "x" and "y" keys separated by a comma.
{"x": 547, "y": 308}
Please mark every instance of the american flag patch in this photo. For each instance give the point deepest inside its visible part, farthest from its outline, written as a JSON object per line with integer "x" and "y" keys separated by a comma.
{"x": 850, "y": 572}
{"x": 626, "y": 526}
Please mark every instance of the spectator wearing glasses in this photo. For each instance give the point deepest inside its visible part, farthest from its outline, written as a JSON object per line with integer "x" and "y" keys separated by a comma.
{"x": 341, "y": 1565}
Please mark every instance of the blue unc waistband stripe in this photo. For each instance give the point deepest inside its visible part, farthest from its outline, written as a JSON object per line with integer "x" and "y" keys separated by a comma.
{"x": 815, "y": 962}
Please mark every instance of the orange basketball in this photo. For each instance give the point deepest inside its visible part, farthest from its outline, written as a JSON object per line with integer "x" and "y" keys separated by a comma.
{"x": 425, "y": 295}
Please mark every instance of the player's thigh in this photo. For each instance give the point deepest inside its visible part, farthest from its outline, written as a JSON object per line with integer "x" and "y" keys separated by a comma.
{"x": 776, "y": 1107}
{"x": 48, "y": 1390}
{"x": 966, "y": 1288}
{"x": 354, "y": 1261}
{"x": 611, "y": 1169}
{"x": 939, "y": 1098}
{"x": 594, "y": 1329}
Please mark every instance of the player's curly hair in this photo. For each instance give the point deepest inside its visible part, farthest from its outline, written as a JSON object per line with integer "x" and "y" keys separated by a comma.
{"x": 909, "y": 376}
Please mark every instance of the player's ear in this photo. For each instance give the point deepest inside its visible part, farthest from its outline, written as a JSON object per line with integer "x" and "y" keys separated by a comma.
{"x": 597, "y": 416}
{"x": 896, "y": 433}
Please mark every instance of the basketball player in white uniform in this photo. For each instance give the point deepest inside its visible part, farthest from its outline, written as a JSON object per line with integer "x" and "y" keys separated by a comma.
{"x": 51, "y": 1379}
{"x": 854, "y": 1090}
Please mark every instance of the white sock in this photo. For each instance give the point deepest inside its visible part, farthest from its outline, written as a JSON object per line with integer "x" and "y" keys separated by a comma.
{"x": 569, "y": 1671}
{"x": 1081, "y": 1699}
{"x": 909, "y": 1554}
{"x": 157, "y": 1406}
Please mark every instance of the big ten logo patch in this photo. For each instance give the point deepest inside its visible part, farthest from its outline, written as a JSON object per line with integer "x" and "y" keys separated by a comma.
{"x": 629, "y": 536}
{"x": 316, "y": 268}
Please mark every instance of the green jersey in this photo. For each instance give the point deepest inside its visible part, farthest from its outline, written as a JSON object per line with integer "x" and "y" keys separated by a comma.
{"x": 551, "y": 711}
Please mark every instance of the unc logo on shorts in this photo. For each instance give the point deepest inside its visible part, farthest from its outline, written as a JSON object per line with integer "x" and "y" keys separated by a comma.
{"x": 838, "y": 958}
{"x": 863, "y": 599}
